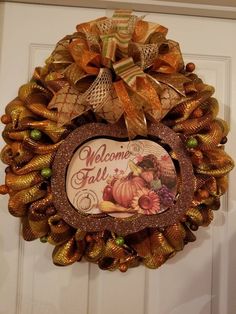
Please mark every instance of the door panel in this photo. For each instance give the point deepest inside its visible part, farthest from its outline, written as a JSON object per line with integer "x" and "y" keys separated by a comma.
{"x": 199, "y": 280}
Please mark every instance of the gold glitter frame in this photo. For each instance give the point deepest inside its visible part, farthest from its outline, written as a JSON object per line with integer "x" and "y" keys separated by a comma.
{"x": 124, "y": 226}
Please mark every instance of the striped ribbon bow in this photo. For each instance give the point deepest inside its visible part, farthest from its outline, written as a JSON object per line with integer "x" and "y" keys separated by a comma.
{"x": 118, "y": 66}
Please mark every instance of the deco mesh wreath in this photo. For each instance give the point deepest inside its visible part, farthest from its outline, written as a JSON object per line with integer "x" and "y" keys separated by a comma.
{"x": 114, "y": 149}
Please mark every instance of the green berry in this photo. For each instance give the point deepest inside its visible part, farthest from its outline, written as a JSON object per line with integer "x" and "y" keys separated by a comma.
{"x": 35, "y": 134}
{"x": 44, "y": 239}
{"x": 120, "y": 241}
{"x": 191, "y": 142}
{"x": 46, "y": 173}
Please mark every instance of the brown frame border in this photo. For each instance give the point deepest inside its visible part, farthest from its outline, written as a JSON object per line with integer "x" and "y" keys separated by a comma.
{"x": 92, "y": 223}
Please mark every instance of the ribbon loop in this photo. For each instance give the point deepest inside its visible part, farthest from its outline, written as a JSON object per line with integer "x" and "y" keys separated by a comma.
{"x": 143, "y": 55}
{"x": 99, "y": 90}
{"x": 170, "y": 62}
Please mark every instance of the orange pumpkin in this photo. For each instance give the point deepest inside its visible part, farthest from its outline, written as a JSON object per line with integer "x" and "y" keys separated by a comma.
{"x": 125, "y": 189}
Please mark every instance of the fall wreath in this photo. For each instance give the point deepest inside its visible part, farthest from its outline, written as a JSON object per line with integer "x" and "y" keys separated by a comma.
{"x": 116, "y": 98}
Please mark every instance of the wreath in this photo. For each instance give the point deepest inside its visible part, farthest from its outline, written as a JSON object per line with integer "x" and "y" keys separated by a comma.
{"x": 121, "y": 81}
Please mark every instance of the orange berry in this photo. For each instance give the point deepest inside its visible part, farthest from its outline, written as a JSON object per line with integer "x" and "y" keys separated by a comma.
{"x": 4, "y": 189}
{"x": 190, "y": 67}
{"x": 197, "y": 113}
{"x": 89, "y": 238}
{"x": 6, "y": 119}
{"x": 203, "y": 194}
{"x": 123, "y": 268}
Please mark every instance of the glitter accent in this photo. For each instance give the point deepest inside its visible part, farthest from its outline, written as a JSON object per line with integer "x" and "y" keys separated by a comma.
{"x": 138, "y": 222}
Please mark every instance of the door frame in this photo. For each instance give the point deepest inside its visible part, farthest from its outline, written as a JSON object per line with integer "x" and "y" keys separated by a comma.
{"x": 215, "y": 8}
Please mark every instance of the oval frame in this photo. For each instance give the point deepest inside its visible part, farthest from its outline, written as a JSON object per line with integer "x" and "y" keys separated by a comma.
{"x": 122, "y": 226}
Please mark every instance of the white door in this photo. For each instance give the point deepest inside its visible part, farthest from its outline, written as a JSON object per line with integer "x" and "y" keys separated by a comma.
{"x": 199, "y": 280}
